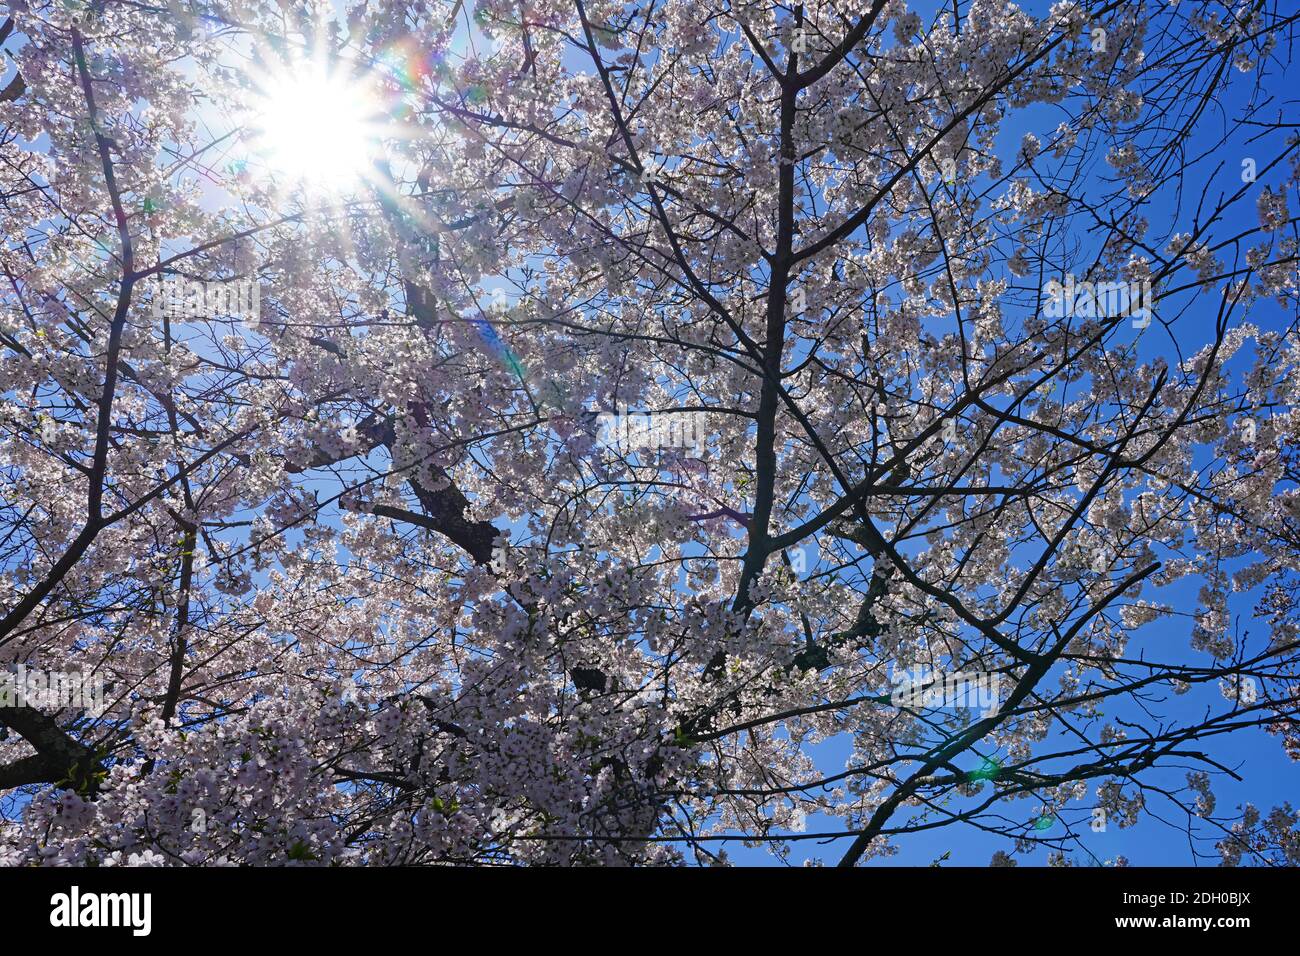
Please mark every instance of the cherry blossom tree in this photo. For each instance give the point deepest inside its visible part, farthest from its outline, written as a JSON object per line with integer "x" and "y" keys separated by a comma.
{"x": 981, "y": 320}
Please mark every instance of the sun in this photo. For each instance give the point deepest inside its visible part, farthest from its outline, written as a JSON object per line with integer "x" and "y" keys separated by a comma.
{"x": 317, "y": 127}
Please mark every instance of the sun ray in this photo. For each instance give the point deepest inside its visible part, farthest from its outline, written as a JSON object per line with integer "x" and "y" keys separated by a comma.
{"x": 317, "y": 126}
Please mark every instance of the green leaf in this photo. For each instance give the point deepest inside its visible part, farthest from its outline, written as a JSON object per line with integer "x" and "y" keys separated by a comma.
{"x": 300, "y": 851}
